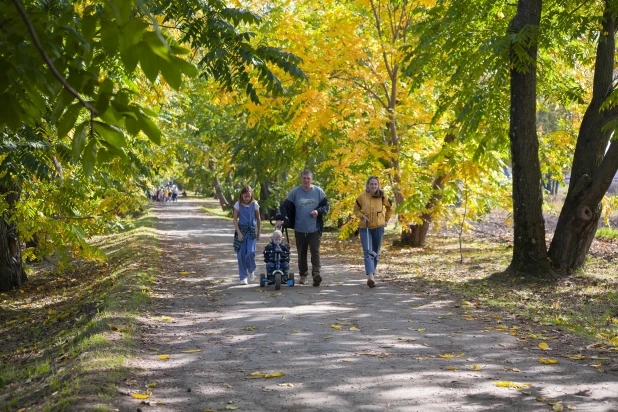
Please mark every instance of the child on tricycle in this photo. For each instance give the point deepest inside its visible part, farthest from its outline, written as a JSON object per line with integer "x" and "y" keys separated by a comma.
{"x": 277, "y": 258}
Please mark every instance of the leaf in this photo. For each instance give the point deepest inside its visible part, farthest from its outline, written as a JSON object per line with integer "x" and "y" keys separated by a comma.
{"x": 355, "y": 329}
{"x": 576, "y": 357}
{"x": 163, "y": 356}
{"x": 140, "y": 396}
{"x": 544, "y": 346}
{"x": 335, "y": 326}
{"x": 421, "y": 330}
{"x": 447, "y": 356}
{"x": 152, "y": 131}
{"x": 548, "y": 361}
{"x": 515, "y": 385}
{"x": 191, "y": 351}
{"x": 111, "y": 134}
{"x": 451, "y": 368}
{"x": 67, "y": 121}
{"x": 183, "y": 273}
{"x": 475, "y": 367}
{"x": 288, "y": 385}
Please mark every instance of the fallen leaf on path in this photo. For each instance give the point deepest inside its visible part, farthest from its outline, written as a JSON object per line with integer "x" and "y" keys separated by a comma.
{"x": 596, "y": 365}
{"x": 576, "y": 357}
{"x": 516, "y": 385}
{"x": 451, "y": 368}
{"x": 288, "y": 385}
{"x": 191, "y": 351}
{"x": 355, "y": 329}
{"x": 140, "y": 396}
{"x": 163, "y": 356}
{"x": 249, "y": 328}
{"x": 421, "y": 330}
{"x": 475, "y": 367}
{"x": 548, "y": 361}
{"x": 267, "y": 375}
{"x": 447, "y": 356}
{"x": 544, "y": 346}
{"x": 328, "y": 337}
{"x": 335, "y": 326}
{"x": 183, "y": 273}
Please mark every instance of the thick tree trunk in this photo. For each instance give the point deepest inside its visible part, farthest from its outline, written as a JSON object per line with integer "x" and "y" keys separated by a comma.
{"x": 12, "y": 274}
{"x": 417, "y": 235}
{"x": 529, "y": 249}
{"x": 593, "y": 168}
{"x": 218, "y": 192}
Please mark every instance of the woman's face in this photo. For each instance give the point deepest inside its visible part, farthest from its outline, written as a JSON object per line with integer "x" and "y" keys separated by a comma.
{"x": 246, "y": 197}
{"x": 373, "y": 186}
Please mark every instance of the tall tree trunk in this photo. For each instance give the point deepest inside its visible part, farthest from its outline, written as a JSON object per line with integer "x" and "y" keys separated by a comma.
{"x": 529, "y": 249}
{"x": 417, "y": 235}
{"x": 12, "y": 274}
{"x": 218, "y": 192}
{"x": 593, "y": 169}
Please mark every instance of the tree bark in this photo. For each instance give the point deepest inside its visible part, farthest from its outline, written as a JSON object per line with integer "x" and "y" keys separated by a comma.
{"x": 529, "y": 249}
{"x": 218, "y": 192}
{"x": 593, "y": 168}
{"x": 417, "y": 235}
{"x": 12, "y": 274}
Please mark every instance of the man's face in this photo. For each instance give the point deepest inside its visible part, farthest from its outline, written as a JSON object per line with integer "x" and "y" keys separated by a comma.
{"x": 307, "y": 180}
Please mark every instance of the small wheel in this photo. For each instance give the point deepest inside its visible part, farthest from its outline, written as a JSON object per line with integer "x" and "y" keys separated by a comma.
{"x": 291, "y": 277}
{"x": 277, "y": 280}
{"x": 262, "y": 280}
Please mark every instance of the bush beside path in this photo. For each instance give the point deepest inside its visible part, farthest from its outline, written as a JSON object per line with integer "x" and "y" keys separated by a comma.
{"x": 206, "y": 342}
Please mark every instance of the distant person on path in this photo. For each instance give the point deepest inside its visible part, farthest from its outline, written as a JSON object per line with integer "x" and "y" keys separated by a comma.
{"x": 304, "y": 210}
{"x": 247, "y": 223}
{"x": 369, "y": 208}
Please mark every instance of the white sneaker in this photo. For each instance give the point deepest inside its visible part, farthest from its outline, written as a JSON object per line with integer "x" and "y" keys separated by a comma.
{"x": 370, "y": 281}
{"x": 244, "y": 281}
{"x": 252, "y": 276}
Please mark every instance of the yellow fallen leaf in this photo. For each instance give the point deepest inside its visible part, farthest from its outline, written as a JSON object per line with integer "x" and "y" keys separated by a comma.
{"x": 152, "y": 385}
{"x": 548, "y": 361}
{"x": 515, "y": 385}
{"x": 614, "y": 341}
{"x": 475, "y": 367}
{"x": 355, "y": 329}
{"x": 544, "y": 346}
{"x": 557, "y": 407}
{"x": 596, "y": 365}
{"x": 289, "y": 385}
{"x": 421, "y": 330}
{"x": 163, "y": 356}
{"x": 335, "y": 326}
{"x": 153, "y": 349}
{"x": 541, "y": 399}
{"x": 274, "y": 375}
{"x": 451, "y": 368}
{"x": 140, "y": 396}
{"x": 113, "y": 327}
{"x": 183, "y": 273}
{"x": 191, "y": 351}
{"x": 447, "y": 356}
{"x": 576, "y": 357}
{"x": 569, "y": 406}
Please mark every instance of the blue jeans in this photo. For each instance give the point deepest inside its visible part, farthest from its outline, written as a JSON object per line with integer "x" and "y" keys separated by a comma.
{"x": 246, "y": 256}
{"x": 373, "y": 241}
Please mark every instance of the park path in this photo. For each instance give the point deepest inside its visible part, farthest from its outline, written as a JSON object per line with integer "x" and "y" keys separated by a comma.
{"x": 385, "y": 356}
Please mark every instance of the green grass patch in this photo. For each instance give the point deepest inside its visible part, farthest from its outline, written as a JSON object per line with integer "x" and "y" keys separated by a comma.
{"x": 213, "y": 210}
{"x": 66, "y": 336}
{"x": 607, "y": 233}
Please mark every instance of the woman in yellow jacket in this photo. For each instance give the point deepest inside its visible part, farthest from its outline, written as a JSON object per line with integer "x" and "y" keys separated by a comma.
{"x": 370, "y": 209}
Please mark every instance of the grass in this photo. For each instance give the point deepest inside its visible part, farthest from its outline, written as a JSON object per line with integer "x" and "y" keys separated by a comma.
{"x": 217, "y": 212}
{"x": 59, "y": 352}
{"x": 607, "y": 233}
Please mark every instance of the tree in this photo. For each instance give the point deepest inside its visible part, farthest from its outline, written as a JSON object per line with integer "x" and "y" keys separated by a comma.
{"x": 74, "y": 67}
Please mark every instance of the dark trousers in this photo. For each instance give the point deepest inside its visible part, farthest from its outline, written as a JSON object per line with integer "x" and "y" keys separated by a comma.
{"x": 309, "y": 241}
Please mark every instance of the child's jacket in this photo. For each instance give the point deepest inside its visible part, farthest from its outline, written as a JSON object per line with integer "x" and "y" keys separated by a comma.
{"x": 270, "y": 255}
{"x": 372, "y": 207}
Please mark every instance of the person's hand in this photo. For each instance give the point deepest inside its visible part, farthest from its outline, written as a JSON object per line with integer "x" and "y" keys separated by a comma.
{"x": 314, "y": 213}
{"x": 366, "y": 219}
{"x": 241, "y": 237}
{"x": 278, "y": 224}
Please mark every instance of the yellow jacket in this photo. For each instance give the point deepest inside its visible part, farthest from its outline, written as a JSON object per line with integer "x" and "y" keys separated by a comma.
{"x": 373, "y": 208}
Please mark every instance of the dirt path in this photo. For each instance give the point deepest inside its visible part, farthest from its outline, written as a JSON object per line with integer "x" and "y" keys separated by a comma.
{"x": 385, "y": 356}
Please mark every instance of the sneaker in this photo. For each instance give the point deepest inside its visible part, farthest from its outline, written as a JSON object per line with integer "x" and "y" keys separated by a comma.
{"x": 370, "y": 281}
{"x": 303, "y": 279}
{"x": 244, "y": 281}
{"x": 316, "y": 280}
{"x": 252, "y": 276}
